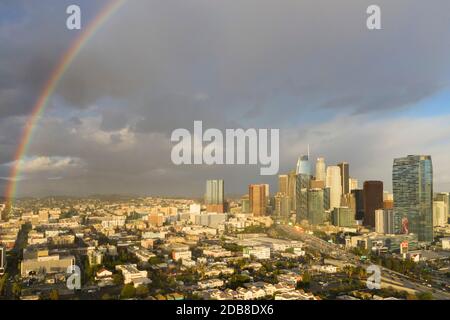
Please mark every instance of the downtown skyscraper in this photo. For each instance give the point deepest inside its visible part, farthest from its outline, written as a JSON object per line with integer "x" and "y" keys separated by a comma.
{"x": 258, "y": 199}
{"x": 345, "y": 177}
{"x": 214, "y": 196}
{"x": 373, "y": 200}
{"x": 412, "y": 180}
{"x": 303, "y": 182}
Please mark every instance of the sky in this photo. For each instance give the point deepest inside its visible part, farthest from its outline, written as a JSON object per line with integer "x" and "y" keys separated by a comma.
{"x": 309, "y": 68}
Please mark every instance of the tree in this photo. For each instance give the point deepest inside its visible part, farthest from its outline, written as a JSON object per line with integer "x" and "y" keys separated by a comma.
{"x": 128, "y": 291}
{"x": 118, "y": 279}
{"x": 142, "y": 291}
{"x": 424, "y": 296}
{"x": 107, "y": 296}
{"x": 16, "y": 289}
{"x": 54, "y": 295}
{"x": 305, "y": 282}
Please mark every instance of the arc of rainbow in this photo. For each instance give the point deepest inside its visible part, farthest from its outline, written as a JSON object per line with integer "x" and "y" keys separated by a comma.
{"x": 50, "y": 87}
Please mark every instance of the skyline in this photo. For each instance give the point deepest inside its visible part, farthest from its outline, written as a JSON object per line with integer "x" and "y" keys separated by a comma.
{"x": 106, "y": 128}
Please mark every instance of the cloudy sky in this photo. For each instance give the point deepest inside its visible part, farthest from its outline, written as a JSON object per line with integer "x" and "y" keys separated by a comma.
{"x": 308, "y": 67}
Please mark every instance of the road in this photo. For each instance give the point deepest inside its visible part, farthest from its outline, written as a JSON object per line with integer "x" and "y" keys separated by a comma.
{"x": 388, "y": 276}
{"x": 14, "y": 258}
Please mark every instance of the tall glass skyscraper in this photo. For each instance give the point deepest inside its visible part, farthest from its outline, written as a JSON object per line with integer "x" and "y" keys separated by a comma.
{"x": 304, "y": 166}
{"x": 412, "y": 179}
{"x": 316, "y": 210}
{"x": 302, "y": 185}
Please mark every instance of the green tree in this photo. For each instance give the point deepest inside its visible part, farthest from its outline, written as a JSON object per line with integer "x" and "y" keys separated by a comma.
{"x": 107, "y": 296}
{"x": 54, "y": 295}
{"x": 305, "y": 282}
{"x": 424, "y": 296}
{"x": 118, "y": 279}
{"x": 142, "y": 291}
{"x": 16, "y": 289}
{"x": 128, "y": 291}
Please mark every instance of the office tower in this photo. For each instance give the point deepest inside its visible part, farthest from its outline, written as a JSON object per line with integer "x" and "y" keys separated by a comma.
{"x": 344, "y": 169}
{"x": 304, "y": 166}
{"x": 373, "y": 200}
{"x": 333, "y": 182}
{"x": 359, "y": 203}
{"x": 444, "y": 196}
{"x": 326, "y": 198}
{"x": 412, "y": 179}
{"x": 258, "y": 200}
{"x": 302, "y": 185}
{"x": 283, "y": 183}
{"x": 321, "y": 174}
{"x": 266, "y": 188}
{"x": 245, "y": 204}
{"x": 388, "y": 200}
{"x": 388, "y": 196}
{"x": 379, "y": 221}
{"x": 386, "y": 222}
{"x": 2, "y": 260}
{"x": 214, "y": 196}
{"x": 316, "y": 210}
{"x": 439, "y": 213}
{"x": 282, "y": 206}
{"x": 353, "y": 184}
{"x": 343, "y": 217}
{"x": 317, "y": 184}
{"x": 292, "y": 189}
{"x": 349, "y": 200}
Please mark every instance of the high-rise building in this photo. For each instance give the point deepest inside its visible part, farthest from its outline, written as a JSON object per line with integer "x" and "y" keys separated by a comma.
{"x": 245, "y": 204}
{"x": 334, "y": 183}
{"x": 292, "y": 189}
{"x": 380, "y": 222}
{"x": 2, "y": 260}
{"x": 302, "y": 185}
{"x": 283, "y": 183}
{"x": 343, "y": 217}
{"x": 304, "y": 166}
{"x": 359, "y": 203}
{"x": 412, "y": 180}
{"x": 349, "y": 200}
{"x": 444, "y": 196}
{"x": 214, "y": 196}
{"x": 267, "y": 188}
{"x": 258, "y": 199}
{"x": 326, "y": 198}
{"x": 282, "y": 206}
{"x": 321, "y": 167}
{"x": 317, "y": 184}
{"x": 440, "y": 213}
{"x": 353, "y": 184}
{"x": 316, "y": 210}
{"x": 345, "y": 176}
{"x": 373, "y": 200}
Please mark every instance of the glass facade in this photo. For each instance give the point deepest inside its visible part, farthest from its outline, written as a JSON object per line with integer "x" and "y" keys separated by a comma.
{"x": 316, "y": 210}
{"x": 412, "y": 179}
{"x": 304, "y": 166}
{"x": 302, "y": 186}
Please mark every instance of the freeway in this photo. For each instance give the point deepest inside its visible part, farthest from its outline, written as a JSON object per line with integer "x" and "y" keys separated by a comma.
{"x": 388, "y": 276}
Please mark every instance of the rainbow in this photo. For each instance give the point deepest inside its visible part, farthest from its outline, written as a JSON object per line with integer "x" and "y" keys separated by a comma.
{"x": 48, "y": 90}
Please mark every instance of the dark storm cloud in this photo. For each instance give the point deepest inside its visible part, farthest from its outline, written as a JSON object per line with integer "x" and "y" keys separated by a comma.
{"x": 159, "y": 65}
